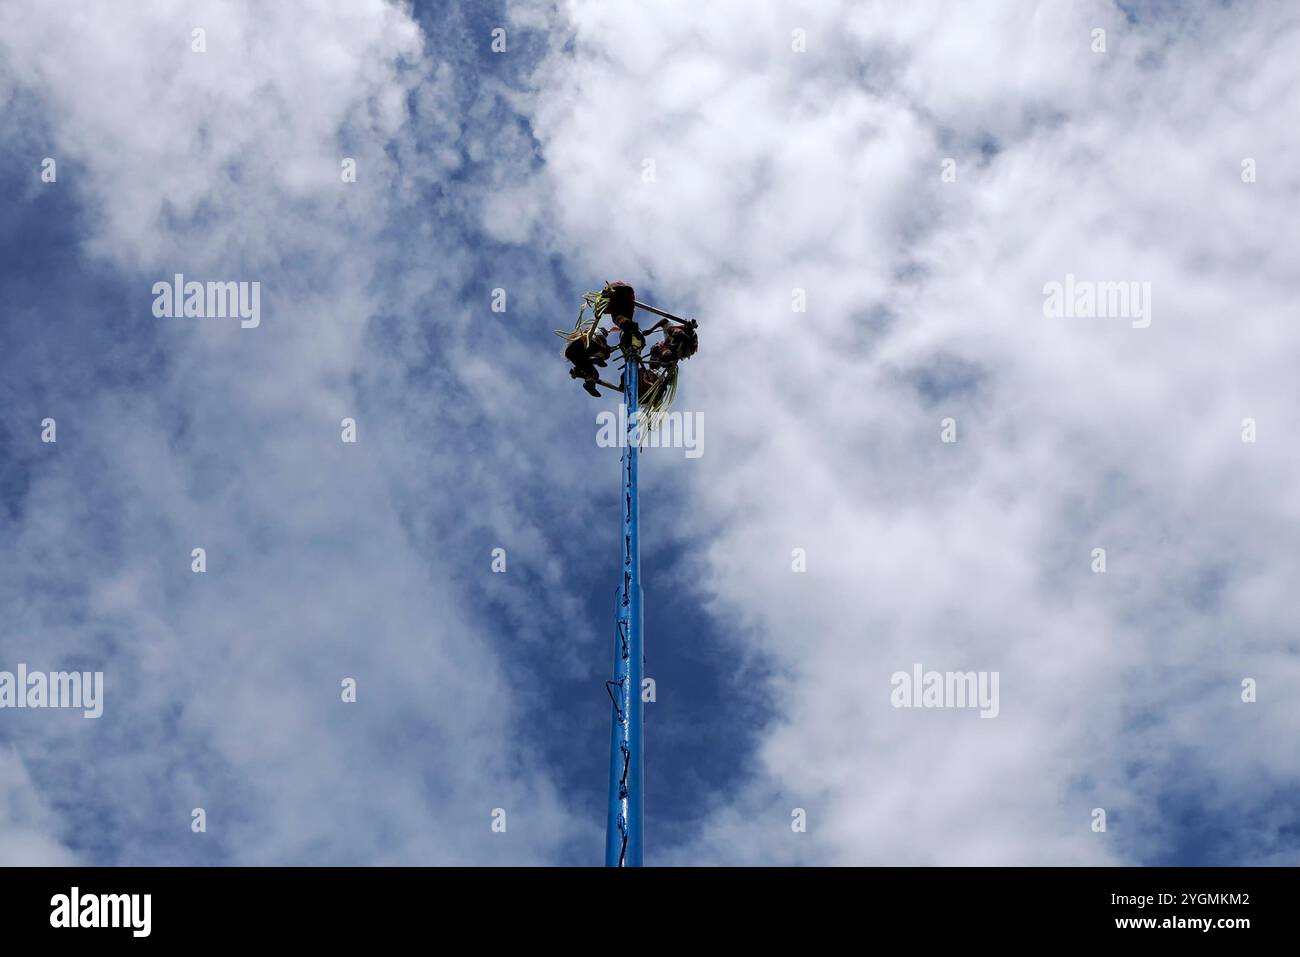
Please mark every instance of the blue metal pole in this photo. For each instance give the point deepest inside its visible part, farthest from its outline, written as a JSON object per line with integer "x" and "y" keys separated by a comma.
{"x": 623, "y": 830}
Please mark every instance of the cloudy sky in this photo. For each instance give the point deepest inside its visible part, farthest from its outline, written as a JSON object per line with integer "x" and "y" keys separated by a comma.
{"x": 864, "y": 204}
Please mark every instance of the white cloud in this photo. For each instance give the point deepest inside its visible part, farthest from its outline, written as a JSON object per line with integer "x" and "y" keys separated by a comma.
{"x": 27, "y": 825}
{"x": 774, "y": 170}
{"x": 223, "y": 689}
{"x": 821, "y": 170}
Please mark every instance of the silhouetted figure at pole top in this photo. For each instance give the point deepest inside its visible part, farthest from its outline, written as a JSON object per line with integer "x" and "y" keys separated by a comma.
{"x": 621, "y": 306}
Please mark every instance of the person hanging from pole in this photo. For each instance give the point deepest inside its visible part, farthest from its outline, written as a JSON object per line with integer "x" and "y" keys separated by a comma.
{"x": 646, "y": 379}
{"x": 585, "y": 354}
{"x": 680, "y": 341}
{"x": 587, "y": 347}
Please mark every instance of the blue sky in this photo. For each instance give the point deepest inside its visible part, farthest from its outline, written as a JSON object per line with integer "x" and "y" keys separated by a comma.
{"x": 775, "y": 170}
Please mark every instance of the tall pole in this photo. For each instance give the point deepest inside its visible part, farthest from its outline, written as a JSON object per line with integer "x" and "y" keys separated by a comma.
{"x": 623, "y": 829}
